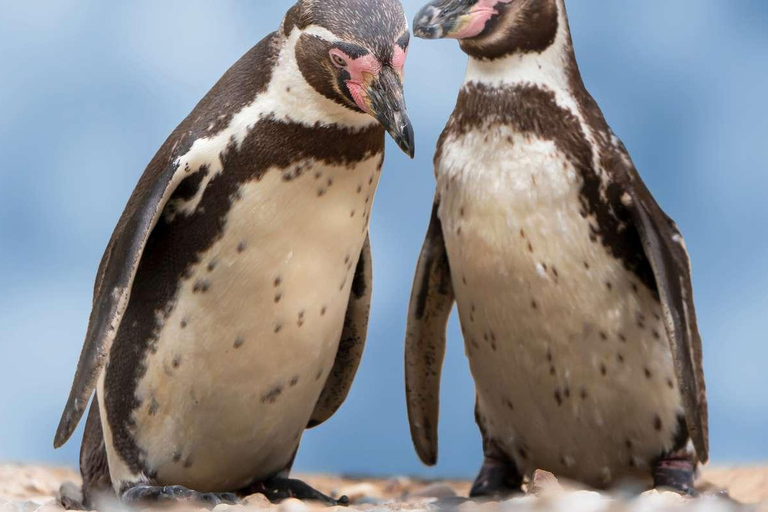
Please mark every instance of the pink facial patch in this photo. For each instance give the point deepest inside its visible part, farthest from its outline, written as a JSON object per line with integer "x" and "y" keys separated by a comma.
{"x": 478, "y": 17}
{"x": 361, "y": 71}
{"x": 398, "y": 58}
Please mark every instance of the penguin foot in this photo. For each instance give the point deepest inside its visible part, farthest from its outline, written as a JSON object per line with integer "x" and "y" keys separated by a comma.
{"x": 146, "y": 494}
{"x": 676, "y": 473}
{"x": 497, "y": 478}
{"x": 278, "y": 489}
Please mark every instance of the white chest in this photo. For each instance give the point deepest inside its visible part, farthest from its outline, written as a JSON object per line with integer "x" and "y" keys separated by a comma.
{"x": 242, "y": 359}
{"x": 567, "y": 348}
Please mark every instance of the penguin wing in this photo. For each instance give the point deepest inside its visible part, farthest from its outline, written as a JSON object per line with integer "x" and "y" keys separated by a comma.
{"x": 431, "y": 303}
{"x": 665, "y": 249}
{"x": 115, "y": 276}
{"x": 352, "y": 342}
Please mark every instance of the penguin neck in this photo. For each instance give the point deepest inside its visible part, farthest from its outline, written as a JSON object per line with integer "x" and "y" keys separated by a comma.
{"x": 554, "y": 68}
{"x": 290, "y": 98}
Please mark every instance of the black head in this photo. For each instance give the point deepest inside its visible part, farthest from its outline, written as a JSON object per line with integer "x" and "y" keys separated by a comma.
{"x": 490, "y": 29}
{"x": 353, "y": 52}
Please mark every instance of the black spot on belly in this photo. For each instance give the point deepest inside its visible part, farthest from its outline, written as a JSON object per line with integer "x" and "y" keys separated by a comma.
{"x": 278, "y": 281}
{"x": 154, "y": 406}
{"x": 522, "y": 452}
{"x": 603, "y": 336}
{"x": 272, "y": 395}
{"x": 622, "y": 338}
{"x": 278, "y": 327}
{"x": 603, "y": 370}
{"x": 176, "y": 457}
{"x": 656, "y": 334}
{"x": 319, "y": 374}
{"x": 586, "y": 265}
{"x": 239, "y": 341}
{"x": 584, "y": 394}
{"x": 321, "y": 192}
{"x": 628, "y": 444}
{"x": 670, "y": 383}
{"x": 648, "y": 373}
{"x": 201, "y": 286}
{"x": 534, "y": 304}
{"x": 242, "y": 246}
{"x": 278, "y": 297}
{"x": 300, "y": 321}
{"x": 657, "y": 423}
{"x": 294, "y": 380}
{"x": 558, "y": 397}
{"x": 530, "y": 247}
{"x": 176, "y": 363}
{"x": 212, "y": 265}
{"x": 620, "y": 358}
{"x": 323, "y": 310}
{"x": 609, "y": 285}
{"x": 552, "y": 370}
{"x": 184, "y": 323}
{"x": 509, "y": 405}
{"x": 188, "y": 463}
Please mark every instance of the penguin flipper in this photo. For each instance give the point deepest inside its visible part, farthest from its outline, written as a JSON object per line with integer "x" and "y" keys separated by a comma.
{"x": 352, "y": 341}
{"x": 115, "y": 277}
{"x": 665, "y": 249}
{"x": 431, "y": 303}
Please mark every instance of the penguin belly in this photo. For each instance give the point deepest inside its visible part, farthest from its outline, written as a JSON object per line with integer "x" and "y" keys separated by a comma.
{"x": 239, "y": 363}
{"x": 567, "y": 347}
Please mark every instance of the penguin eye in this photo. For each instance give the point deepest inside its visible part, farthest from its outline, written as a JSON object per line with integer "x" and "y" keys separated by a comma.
{"x": 338, "y": 60}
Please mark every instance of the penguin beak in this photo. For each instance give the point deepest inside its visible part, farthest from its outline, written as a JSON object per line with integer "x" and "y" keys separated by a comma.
{"x": 455, "y": 19}
{"x": 386, "y": 102}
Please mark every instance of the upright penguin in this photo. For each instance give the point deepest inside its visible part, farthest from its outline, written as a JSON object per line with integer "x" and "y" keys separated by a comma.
{"x": 573, "y": 286}
{"x": 231, "y": 306}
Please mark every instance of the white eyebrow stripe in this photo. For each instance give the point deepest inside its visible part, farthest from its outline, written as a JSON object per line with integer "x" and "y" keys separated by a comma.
{"x": 322, "y": 33}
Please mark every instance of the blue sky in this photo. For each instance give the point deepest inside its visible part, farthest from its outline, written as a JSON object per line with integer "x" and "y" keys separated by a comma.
{"x": 89, "y": 90}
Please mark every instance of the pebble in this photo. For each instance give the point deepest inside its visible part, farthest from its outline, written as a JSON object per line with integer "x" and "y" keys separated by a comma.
{"x": 544, "y": 483}
{"x": 293, "y": 505}
{"x": 357, "y": 492}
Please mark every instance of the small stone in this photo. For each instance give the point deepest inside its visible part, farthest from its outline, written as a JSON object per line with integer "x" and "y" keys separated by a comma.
{"x": 293, "y": 505}
{"x": 544, "y": 483}
{"x": 257, "y": 500}
{"x": 357, "y": 492}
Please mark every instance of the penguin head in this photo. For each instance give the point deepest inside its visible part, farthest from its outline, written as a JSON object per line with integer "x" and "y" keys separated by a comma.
{"x": 491, "y": 29}
{"x": 353, "y": 52}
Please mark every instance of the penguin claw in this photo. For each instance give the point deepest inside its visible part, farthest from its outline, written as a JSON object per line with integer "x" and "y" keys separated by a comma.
{"x": 279, "y": 489}
{"x": 147, "y": 494}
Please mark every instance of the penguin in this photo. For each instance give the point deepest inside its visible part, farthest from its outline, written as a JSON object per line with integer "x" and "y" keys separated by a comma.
{"x": 231, "y": 305}
{"x": 573, "y": 286}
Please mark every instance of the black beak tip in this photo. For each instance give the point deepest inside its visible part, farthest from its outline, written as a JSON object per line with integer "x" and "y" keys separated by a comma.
{"x": 407, "y": 141}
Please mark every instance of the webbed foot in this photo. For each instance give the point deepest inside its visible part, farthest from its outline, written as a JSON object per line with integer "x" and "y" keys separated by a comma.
{"x": 676, "y": 473}
{"x": 497, "y": 478}
{"x": 278, "y": 489}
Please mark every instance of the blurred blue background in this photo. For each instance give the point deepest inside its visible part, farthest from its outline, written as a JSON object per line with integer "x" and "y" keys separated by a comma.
{"x": 90, "y": 89}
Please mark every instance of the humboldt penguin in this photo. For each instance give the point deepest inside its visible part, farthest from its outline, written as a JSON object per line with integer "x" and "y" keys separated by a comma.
{"x": 231, "y": 305}
{"x": 573, "y": 286}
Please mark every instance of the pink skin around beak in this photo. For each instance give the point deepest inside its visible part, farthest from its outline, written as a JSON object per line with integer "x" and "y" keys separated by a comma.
{"x": 478, "y": 17}
{"x": 362, "y": 71}
{"x": 378, "y": 91}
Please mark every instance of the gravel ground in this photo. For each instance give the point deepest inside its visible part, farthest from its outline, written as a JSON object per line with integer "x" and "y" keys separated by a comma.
{"x": 30, "y": 488}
